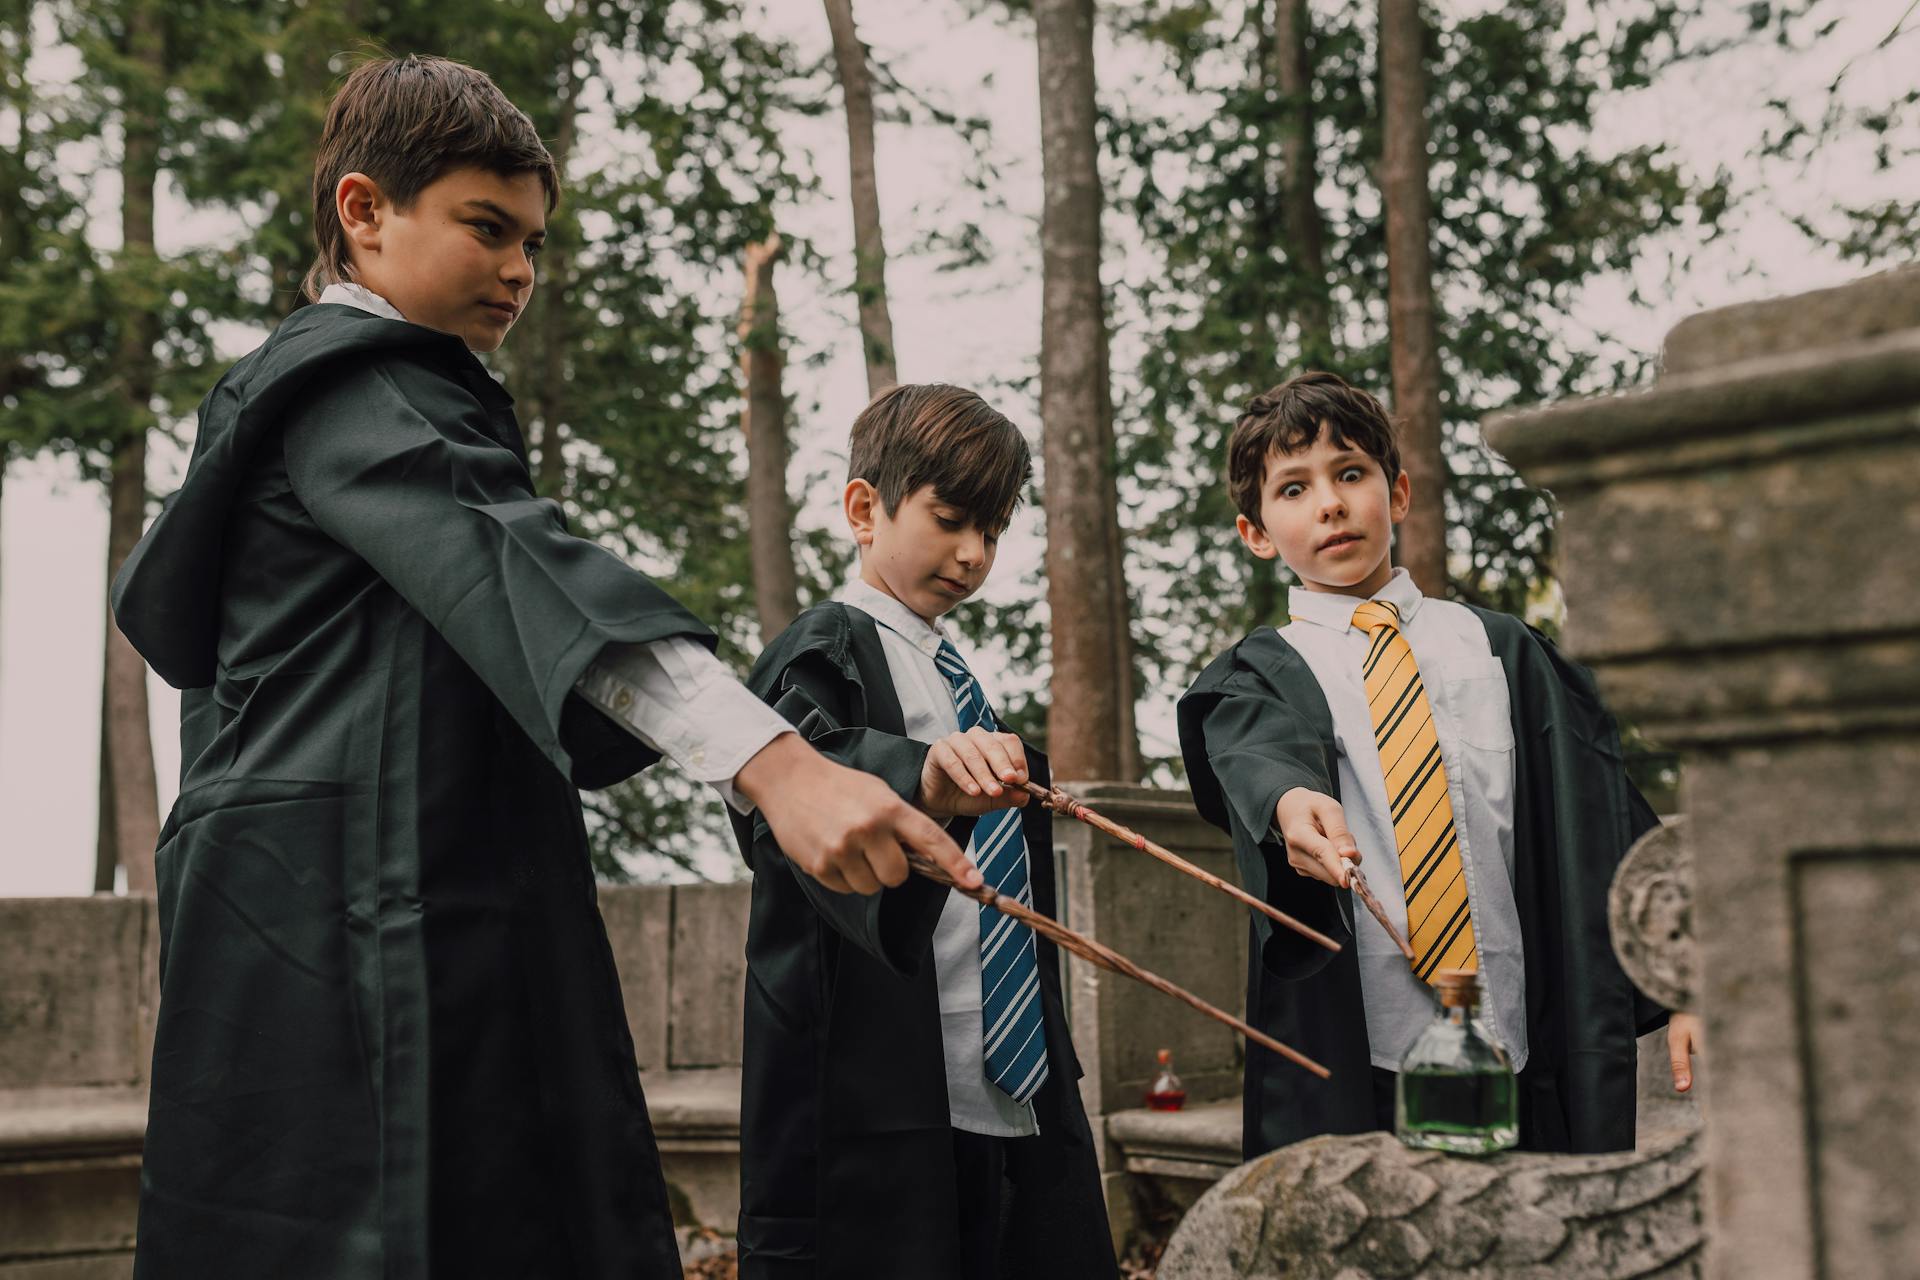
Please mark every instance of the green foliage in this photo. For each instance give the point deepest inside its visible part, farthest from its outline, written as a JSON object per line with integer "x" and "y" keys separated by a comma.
{"x": 1525, "y": 213}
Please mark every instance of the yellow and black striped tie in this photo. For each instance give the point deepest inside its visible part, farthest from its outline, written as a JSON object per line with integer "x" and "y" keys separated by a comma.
{"x": 1439, "y": 924}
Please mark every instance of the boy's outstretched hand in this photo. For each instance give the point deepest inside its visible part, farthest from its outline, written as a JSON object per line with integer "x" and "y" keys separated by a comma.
{"x": 1314, "y": 827}
{"x": 1685, "y": 1038}
{"x": 843, "y": 827}
{"x": 974, "y": 772}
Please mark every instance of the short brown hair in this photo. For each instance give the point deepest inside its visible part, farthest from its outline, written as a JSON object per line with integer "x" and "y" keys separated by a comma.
{"x": 973, "y": 456}
{"x": 1288, "y": 418}
{"x": 406, "y": 123}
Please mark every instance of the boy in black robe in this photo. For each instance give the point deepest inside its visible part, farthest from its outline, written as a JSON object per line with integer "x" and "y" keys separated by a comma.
{"x": 1455, "y": 753}
{"x": 390, "y": 1039}
{"x": 908, "y": 1102}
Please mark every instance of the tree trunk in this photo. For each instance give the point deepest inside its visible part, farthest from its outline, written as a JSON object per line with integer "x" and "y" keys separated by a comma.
{"x": 1299, "y": 176}
{"x": 1422, "y": 542}
{"x": 1090, "y": 731}
{"x": 132, "y": 807}
{"x": 870, "y": 251}
{"x": 555, "y": 276}
{"x": 776, "y": 593}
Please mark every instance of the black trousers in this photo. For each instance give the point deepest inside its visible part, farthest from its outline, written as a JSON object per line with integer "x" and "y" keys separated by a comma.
{"x": 1016, "y": 1224}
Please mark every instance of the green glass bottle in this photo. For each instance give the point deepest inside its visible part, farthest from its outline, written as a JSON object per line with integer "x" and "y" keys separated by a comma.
{"x": 1455, "y": 1090}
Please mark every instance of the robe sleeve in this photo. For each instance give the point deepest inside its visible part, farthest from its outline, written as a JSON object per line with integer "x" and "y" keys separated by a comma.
{"x": 1245, "y": 748}
{"x": 896, "y": 925}
{"x": 404, "y": 467}
{"x": 1597, "y": 815}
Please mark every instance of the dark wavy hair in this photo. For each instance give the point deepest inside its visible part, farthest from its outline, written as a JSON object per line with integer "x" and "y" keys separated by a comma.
{"x": 1288, "y": 418}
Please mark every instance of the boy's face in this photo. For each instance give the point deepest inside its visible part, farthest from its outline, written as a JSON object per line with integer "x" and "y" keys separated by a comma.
{"x": 459, "y": 259}
{"x": 927, "y": 554}
{"x": 1328, "y": 511}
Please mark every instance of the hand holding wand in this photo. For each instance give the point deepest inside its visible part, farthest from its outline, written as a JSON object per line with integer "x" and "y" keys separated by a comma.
{"x": 1358, "y": 883}
{"x": 1106, "y": 958}
{"x": 1060, "y": 802}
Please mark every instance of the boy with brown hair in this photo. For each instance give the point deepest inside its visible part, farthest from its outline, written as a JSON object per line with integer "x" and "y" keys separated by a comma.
{"x": 1454, "y": 752}
{"x": 390, "y": 1039}
{"x": 908, "y": 1100}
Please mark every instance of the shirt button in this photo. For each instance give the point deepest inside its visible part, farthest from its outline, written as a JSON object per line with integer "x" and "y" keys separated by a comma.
{"x": 699, "y": 755}
{"x": 623, "y": 699}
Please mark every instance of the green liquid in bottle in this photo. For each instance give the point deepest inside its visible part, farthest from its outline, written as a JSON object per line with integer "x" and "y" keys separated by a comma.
{"x": 1468, "y": 1113}
{"x": 1455, "y": 1090}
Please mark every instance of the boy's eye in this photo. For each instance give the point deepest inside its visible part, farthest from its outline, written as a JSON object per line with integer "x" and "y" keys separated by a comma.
{"x": 489, "y": 229}
{"x": 1292, "y": 490}
{"x": 1352, "y": 474}
{"x": 535, "y": 248}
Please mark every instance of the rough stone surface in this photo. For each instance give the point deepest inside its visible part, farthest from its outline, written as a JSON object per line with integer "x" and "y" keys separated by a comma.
{"x": 1738, "y": 548}
{"x": 639, "y": 920}
{"x": 1650, "y": 916}
{"x": 1164, "y": 921}
{"x": 71, "y": 991}
{"x": 1885, "y": 303}
{"x": 707, "y": 987}
{"x": 1339, "y": 1207}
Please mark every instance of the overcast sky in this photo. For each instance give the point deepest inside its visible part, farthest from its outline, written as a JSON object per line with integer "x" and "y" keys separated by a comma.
{"x": 970, "y": 328}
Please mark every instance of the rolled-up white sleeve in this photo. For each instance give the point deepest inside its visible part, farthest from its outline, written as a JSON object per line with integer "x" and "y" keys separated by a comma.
{"x": 679, "y": 699}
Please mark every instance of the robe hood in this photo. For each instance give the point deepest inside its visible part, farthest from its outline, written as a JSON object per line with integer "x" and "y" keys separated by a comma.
{"x": 166, "y": 597}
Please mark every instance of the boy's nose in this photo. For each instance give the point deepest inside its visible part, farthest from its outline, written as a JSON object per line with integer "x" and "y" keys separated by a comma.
{"x": 973, "y": 549}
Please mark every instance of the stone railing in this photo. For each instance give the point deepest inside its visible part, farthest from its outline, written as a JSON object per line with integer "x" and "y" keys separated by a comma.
{"x": 77, "y": 993}
{"x": 77, "y": 990}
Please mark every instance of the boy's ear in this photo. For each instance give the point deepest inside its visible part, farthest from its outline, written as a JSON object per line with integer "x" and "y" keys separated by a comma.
{"x": 359, "y": 203}
{"x": 1255, "y": 537}
{"x": 861, "y": 502}
{"x": 1400, "y": 497}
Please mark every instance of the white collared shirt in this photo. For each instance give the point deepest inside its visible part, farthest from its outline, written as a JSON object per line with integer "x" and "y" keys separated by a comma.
{"x": 974, "y": 1103}
{"x": 1467, "y": 689}
{"x": 673, "y": 694}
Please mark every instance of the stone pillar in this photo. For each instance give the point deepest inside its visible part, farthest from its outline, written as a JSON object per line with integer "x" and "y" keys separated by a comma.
{"x": 1740, "y": 552}
{"x": 1166, "y": 922}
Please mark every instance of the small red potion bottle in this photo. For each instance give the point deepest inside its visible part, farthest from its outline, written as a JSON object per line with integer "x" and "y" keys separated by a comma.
{"x": 1166, "y": 1093}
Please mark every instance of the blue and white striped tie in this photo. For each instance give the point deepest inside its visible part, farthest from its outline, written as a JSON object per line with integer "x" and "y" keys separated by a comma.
{"x": 1016, "y": 1046}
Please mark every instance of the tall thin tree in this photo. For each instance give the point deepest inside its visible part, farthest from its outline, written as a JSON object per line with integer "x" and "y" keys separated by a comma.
{"x": 1412, "y": 325}
{"x": 550, "y": 297}
{"x": 1090, "y": 728}
{"x": 1291, "y": 62}
{"x": 869, "y": 248}
{"x": 776, "y": 592}
{"x": 130, "y": 808}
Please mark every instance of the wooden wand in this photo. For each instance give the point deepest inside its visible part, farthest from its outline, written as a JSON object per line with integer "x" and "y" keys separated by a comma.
{"x": 1106, "y": 957}
{"x": 1060, "y": 802}
{"x": 1358, "y": 883}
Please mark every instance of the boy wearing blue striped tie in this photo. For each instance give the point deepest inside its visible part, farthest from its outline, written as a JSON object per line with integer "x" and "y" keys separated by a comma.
{"x": 908, "y": 1101}
{"x": 1453, "y": 753}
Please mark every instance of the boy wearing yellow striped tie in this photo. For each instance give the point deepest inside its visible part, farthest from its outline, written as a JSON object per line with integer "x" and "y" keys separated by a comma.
{"x": 908, "y": 1105}
{"x": 1453, "y": 753}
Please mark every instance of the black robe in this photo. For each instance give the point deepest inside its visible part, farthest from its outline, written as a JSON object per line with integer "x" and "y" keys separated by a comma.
{"x": 391, "y": 1040}
{"x": 1256, "y": 724}
{"x": 846, "y": 1150}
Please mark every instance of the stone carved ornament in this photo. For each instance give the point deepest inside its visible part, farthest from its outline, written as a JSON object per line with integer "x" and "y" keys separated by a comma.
{"x": 1650, "y": 915}
{"x": 1353, "y": 1207}
{"x": 1360, "y": 1207}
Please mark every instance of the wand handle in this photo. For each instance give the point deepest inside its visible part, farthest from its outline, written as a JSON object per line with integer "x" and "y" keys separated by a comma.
{"x": 1060, "y": 802}
{"x": 1358, "y": 883}
{"x": 1106, "y": 958}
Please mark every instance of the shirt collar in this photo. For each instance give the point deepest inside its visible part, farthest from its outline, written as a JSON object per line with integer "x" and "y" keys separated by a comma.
{"x": 890, "y": 613}
{"x": 1334, "y": 610}
{"x": 358, "y": 295}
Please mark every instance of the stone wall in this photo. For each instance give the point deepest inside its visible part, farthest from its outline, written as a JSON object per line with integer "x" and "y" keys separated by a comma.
{"x": 78, "y": 987}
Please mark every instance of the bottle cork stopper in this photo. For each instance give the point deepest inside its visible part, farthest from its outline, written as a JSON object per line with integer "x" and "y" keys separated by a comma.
{"x": 1165, "y": 1056}
{"x": 1458, "y": 988}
